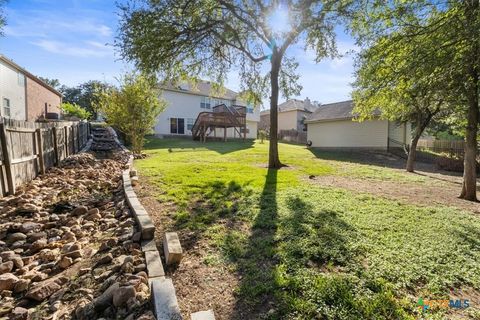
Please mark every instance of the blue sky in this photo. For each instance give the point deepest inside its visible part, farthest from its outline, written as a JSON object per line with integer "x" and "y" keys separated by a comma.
{"x": 71, "y": 40}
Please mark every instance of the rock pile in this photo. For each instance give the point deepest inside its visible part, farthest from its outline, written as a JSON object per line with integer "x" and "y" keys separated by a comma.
{"x": 67, "y": 246}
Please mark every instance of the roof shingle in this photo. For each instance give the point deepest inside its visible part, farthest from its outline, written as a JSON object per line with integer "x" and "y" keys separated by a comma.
{"x": 294, "y": 104}
{"x": 332, "y": 111}
{"x": 204, "y": 88}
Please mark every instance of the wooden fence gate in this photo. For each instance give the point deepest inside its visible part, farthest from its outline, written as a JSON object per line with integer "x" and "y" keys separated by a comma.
{"x": 27, "y": 149}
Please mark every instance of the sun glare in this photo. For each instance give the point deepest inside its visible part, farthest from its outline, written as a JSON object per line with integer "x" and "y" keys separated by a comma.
{"x": 279, "y": 20}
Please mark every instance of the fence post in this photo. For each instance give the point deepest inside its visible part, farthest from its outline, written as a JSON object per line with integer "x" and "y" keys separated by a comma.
{"x": 40, "y": 150}
{"x": 6, "y": 159}
{"x": 55, "y": 146}
{"x": 78, "y": 138}
{"x": 66, "y": 142}
{"x": 73, "y": 138}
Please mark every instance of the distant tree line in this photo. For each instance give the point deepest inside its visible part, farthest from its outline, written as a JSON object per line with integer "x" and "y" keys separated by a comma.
{"x": 83, "y": 95}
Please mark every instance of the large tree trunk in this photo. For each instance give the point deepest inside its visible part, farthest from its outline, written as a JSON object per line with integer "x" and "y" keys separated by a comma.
{"x": 273, "y": 158}
{"x": 469, "y": 188}
{"x": 421, "y": 125}
{"x": 412, "y": 153}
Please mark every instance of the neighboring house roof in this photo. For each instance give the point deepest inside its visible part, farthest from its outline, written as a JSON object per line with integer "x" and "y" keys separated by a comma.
{"x": 28, "y": 74}
{"x": 332, "y": 111}
{"x": 292, "y": 105}
{"x": 202, "y": 88}
{"x": 335, "y": 111}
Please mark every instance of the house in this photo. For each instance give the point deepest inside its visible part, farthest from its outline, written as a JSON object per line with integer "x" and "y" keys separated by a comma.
{"x": 291, "y": 115}
{"x": 186, "y": 101}
{"x": 24, "y": 96}
{"x": 333, "y": 126}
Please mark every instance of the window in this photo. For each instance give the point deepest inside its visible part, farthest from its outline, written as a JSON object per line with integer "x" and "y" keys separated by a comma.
{"x": 190, "y": 123}
{"x": 6, "y": 107}
{"x": 205, "y": 103}
{"x": 177, "y": 125}
{"x": 21, "y": 79}
{"x": 249, "y": 108}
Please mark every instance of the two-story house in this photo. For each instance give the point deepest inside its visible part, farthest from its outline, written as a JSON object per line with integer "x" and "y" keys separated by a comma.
{"x": 186, "y": 101}
{"x": 24, "y": 96}
{"x": 291, "y": 115}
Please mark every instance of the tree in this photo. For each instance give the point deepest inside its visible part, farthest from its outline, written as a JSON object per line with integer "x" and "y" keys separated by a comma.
{"x": 74, "y": 110}
{"x": 455, "y": 25}
{"x": 398, "y": 77}
{"x": 84, "y": 95}
{"x": 185, "y": 38}
{"x": 3, "y": 19}
{"x": 54, "y": 83}
{"x": 133, "y": 107}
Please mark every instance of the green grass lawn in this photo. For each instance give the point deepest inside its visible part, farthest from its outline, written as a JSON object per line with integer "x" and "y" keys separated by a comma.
{"x": 314, "y": 252}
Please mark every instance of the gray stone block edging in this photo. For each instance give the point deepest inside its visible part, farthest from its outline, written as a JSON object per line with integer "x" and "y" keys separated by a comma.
{"x": 165, "y": 300}
{"x": 154, "y": 264}
{"x": 203, "y": 315}
{"x": 145, "y": 224}
{"x": 162, "y": 290}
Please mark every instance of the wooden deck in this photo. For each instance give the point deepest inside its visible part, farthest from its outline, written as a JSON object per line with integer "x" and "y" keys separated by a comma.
{"x": 221, "y": 116}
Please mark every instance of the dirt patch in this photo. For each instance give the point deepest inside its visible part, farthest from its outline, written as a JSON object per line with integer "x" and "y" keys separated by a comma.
{"x": 201, "y": 286}
{"x": 443, "y": 192}
{"x": 201, "y": 281}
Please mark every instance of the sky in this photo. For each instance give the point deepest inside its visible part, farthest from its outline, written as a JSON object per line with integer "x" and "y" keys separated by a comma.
{"x": 72, "y": 40}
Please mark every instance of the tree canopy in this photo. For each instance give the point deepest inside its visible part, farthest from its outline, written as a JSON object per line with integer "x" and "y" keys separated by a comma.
{"x": 84, "y": 95}
{"x": 403, "y": 79}
{"x": 3, "y": 19}
{"x": 54, "y": 83}
{"x": 447, "y": 33}
{"x": 204, "y": 38}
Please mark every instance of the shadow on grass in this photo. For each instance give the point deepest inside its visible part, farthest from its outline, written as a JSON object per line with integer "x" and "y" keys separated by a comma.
{"x": 295, "y": 266}
{"x": 186, "y": 145}
{"x": 219, "y": 201}
{"x": 256, "y": 264}
{"x": 377, "y": 158}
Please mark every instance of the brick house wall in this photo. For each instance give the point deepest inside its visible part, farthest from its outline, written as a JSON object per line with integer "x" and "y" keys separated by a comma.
{"x": 40, "y": 100}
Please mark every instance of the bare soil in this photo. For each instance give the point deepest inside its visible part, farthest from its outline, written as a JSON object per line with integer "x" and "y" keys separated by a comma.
{"x": 419, "y": 194}
{"x": 440, "y": 188}
{"x": 199, "y": 286}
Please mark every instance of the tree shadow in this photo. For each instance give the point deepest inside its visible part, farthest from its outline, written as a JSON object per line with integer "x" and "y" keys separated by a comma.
{"x": 280, "y": 248}
{"x": 317, "y": 239}
{"x": 258, "y": 261}
{"x": 219, "y": 201}
{"x": 377, "y": 158}
{"x": 186, "y": 145}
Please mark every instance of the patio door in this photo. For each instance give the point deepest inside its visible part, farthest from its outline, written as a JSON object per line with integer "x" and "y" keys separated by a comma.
{"x": 177, "y": 125}
{"x": 181, "y": 126}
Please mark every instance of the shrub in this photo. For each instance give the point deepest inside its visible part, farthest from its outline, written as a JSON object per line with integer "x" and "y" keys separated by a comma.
{"x": 74, "y": 110}
{"x": 132, "y": 108}
{"x": 262, "y": 134}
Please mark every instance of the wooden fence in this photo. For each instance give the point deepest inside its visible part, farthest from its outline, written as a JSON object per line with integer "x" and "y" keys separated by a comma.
{"x": 450, "y": 147}
{"x": 292, "y": 136}
{"x": 27, "y": 149}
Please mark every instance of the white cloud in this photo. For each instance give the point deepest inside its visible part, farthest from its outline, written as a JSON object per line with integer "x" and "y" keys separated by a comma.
{"x": 91, "y": 49}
